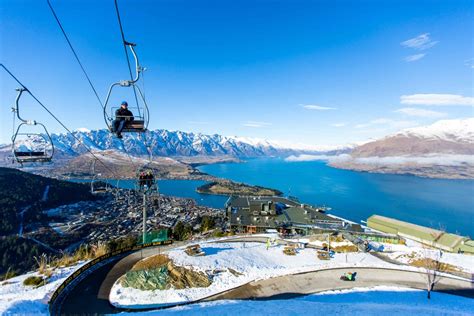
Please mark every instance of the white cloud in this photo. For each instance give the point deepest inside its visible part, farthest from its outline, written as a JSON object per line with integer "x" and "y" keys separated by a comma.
{"x": 421, "y": 42}
{"x": 436, "y": 99}
{"x": 316, "y": 107}
{"x": 469, "y": 63}
{"x": 432, "y": 159}
{"x": 304, "y": 157}
{"x": 414, "y": 57}
{"x": 386, "y": 123}
{"x": 255, "y": 124}
{"x": 420, "y": 112}
{"x": 338, "y": 124}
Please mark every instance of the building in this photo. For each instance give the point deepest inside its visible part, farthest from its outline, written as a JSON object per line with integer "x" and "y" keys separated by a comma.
{"x": 425, "y": 235}
{"x": 259, "y": 214}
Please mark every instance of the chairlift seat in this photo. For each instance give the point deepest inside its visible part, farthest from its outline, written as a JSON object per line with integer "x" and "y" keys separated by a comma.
{"x": 133, "y": 126}
{"x": 30, "y": 153}
{"x": 32, "y": 156}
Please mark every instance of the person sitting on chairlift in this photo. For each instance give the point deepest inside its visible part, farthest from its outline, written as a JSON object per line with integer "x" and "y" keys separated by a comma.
{"x": 149, "y": 179}
{"x": 141, "y": 180}
{"x": 122, "y": 116}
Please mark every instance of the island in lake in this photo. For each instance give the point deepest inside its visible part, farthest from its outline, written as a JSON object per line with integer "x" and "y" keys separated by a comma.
{"x": 225, "y": 187}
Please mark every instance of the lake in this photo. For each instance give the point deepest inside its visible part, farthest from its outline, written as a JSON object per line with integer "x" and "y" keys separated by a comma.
{"x": 358, "y": 195}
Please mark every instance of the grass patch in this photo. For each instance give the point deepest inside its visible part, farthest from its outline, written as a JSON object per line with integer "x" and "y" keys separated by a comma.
{"x": 433, "y": 264}
{"x": 35, "y": 281}
{"x": 151, "y": 263}
{"x": 346, "y": 248}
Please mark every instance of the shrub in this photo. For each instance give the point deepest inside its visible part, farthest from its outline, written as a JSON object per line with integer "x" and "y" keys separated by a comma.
{"x": 34, "y": 281}
{"x": 218, "y": 233}
{"x": 43, "y": 265}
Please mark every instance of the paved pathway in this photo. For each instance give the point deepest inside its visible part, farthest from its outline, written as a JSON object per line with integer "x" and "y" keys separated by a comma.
{"x": 326, "y": 280}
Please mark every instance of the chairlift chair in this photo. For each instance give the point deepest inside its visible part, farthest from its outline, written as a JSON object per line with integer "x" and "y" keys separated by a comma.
{"x": 141, "y": 112}
{"x": 98, "y": 186}
{"x": 148, "y": 185}
{"x": 30, "y": 146}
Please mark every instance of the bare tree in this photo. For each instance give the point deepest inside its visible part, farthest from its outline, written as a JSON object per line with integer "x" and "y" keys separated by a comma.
{"x": 431, "y": 261}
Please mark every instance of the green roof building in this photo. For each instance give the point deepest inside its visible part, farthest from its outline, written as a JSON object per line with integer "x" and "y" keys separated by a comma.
{"x": 425, "y": 235}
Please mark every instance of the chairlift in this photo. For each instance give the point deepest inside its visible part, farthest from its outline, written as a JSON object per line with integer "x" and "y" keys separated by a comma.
{"x": 147, "y": 180}
{"x": 98, "y": 186}
{"x": 140, "y": 112}
{"x": 30, "y": 146}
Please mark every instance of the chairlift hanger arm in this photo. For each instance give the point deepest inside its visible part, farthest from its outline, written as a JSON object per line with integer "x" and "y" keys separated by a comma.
{"x": 17, "y": 107}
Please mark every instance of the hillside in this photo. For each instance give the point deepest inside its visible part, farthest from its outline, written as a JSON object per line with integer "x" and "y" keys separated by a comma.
{"x": 444, "y": 149}
{"x": 23, "y": 197}
{"x": 443, "y": 137}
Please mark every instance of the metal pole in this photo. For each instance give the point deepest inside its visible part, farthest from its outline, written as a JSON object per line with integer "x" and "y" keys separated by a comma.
{"x": 144, "y": 217}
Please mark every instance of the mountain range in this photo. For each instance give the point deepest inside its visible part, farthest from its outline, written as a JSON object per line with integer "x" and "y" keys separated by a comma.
{"x": 177, "y": 144}
{"x": 443, "y": 149}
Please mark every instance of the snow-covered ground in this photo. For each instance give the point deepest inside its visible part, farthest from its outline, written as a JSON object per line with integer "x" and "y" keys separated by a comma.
{"x": 413, "y": 251}
{"x": 250, "y": 259}
{"x": 367, "y": 302}
{"x": 18, "y": 299}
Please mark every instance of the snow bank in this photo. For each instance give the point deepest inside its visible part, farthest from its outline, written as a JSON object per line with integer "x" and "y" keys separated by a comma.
{"x": 367, "y": 302}
{"x": 15, "y": 298}
{"x": 404, "y": 254}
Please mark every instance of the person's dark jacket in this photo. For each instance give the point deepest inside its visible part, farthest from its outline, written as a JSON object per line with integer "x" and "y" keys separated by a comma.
{"x": 123, "y": 114}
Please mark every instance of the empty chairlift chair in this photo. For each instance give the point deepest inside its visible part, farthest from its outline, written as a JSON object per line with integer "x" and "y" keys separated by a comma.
{"x": 98, "y": 185}
{"x": 31, "y": 141}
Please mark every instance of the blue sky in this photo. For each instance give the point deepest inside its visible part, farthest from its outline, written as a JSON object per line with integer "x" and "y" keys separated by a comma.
{"x": 314, "y": 72}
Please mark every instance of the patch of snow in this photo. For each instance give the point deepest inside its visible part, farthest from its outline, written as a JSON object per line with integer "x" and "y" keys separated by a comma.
{"x": 405, "y": 254}
{"x": 461, "y": 130}
{"x": 364, "y": 302}
{"x": 18, "y": 299}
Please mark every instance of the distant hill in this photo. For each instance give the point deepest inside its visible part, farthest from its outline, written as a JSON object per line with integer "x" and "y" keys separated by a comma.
{"x": 443, "y": 137}
{"x": 444, "y": 149}
{"x": 23, "y": 197}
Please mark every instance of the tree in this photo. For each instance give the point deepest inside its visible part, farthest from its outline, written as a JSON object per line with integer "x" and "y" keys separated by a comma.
{"x": 182, "y": 231}
{"x": 207, "y": 223}
{"x": 431, "y": 261}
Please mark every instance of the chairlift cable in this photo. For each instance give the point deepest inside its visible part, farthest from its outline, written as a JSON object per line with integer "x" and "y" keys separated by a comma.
{"x": 126, "y": 52}
{"x": 74, "y": 52}
{"x": 54, "y": 116}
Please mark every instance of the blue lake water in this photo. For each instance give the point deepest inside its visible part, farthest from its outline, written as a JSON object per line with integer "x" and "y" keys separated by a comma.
{"x": 357, "y": 195}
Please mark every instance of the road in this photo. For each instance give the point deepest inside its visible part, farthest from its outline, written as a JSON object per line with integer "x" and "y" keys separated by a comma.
{"x": 326, "y": 280}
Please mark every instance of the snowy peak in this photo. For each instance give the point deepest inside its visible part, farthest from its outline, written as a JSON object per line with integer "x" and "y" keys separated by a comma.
{"x": 460, "y": 130}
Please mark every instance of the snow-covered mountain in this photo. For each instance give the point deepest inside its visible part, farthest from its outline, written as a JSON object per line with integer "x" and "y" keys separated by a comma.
{"x": 444, "y": 149}
{"x": 178, "y": 143}
{"x": 460, "y": 130}
{"x": 442, "y": 137}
